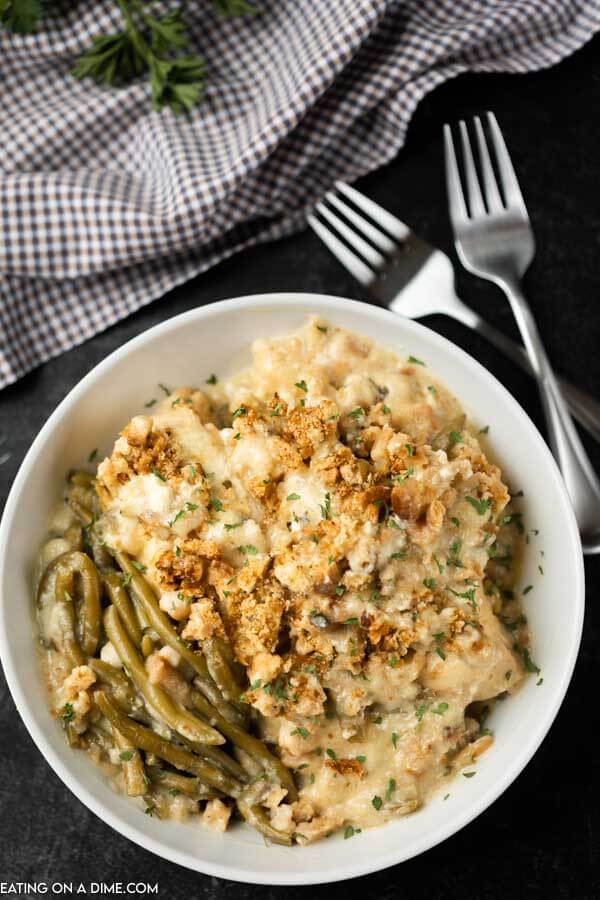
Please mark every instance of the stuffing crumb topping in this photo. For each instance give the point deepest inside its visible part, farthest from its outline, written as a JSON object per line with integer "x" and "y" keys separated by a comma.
{"x": 331, "y": 514}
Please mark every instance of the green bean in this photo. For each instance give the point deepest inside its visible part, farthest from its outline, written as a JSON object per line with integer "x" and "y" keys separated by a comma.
{"x": 63, "y": 569}
{"x": 250, "y": 744}
{"x": 81, "y": 479}
{"x": 62, "y": 594}
{"x": 257, "y": 817}
{"x": 121, "y": 688}
{"x": 176, "y": 717}
{"x": 157, "y": 618}
{"x": 147, "y": 647}
{"x": 134, "y": 775}
{"x": 145, "y": 739}
{"x": 221, "y": 759}
{"x": 66, "y": 566}
{"x": 119, "y": 598}
{"x": 184, "y": 784}
{"x": 160, "y": 623}
{"x": 99, "y": 737}
{"x": 220, "y": 670}
{"x": 83, "y": 513}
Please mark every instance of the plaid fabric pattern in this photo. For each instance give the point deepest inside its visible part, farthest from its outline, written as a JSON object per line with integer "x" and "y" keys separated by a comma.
{"x": 106, "y": 205}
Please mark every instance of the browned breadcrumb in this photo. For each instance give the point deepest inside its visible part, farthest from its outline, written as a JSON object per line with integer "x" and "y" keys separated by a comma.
{"x": 253, "y": 620}
{"x": 346, "y": 767}
{"x": 183, "y": 572}
{"x": 307, "y": 427}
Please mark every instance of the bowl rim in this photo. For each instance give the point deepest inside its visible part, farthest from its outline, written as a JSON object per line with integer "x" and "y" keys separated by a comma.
{"x": 360, "y": 866}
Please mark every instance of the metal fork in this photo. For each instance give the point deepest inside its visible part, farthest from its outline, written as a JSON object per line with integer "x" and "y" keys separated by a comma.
{"x": 494, "y": 240}
{"x": 409, "y": 276}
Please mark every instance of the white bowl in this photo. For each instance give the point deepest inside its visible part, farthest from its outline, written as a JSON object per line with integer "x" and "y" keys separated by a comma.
{"x": 186, "y": 350}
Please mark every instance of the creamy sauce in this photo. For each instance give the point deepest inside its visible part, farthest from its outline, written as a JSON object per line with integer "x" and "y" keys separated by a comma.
{"x": 331, "y": 514}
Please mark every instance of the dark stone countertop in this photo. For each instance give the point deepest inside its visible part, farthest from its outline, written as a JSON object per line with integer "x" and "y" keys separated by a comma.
{"x": 541, "y": 838}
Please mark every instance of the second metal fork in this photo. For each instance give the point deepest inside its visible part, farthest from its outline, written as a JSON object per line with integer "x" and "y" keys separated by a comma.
{"x": 494, "y": 240}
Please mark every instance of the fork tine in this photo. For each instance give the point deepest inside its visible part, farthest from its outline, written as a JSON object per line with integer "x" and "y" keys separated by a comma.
{"x": 492, "y": 194}
{"x": 349, "y": 260}
{"x": 392, "y": 225}
{"x": 369, "y": 253}
{"x": 376, "y": 236}
{"x": 456, "y": 200}
{"x": 508, "y": 177}
{"x": 476, "y": 207}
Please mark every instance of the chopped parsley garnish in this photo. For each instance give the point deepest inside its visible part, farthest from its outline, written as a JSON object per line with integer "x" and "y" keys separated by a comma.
{"x": 440, "y": 567}
{"x": 176, "y": 517}
{"x": 137, "y": 565}
{"x": 357, "y": 413}
{"x": 192, "y": 473}
{"x": 361, "y": 759}
{"x": 326, "y": 507}
{"x": 68, "y": 713}
{"x": 212, "y": 380}
{"x": 455, "y": 521}
{"x": 440, "y": 653}
{"x": 394, "y": 739}
{"x": 158, "y": 474}
{"x": 93, "y": 455}
{"x": 420, "y": 711}
{"x": 216, "y": 504}
{"x": 352, "y": 621}
{"x": 481, "y": 506}
{"x": 455, "y": 437}
{"x": 322, "y": 328}
{"x": 150, "y": 403}
{"x": 530, "y": 665}
{"x": 150, "y": 811}
{"x": 440, "y": 709}
{"x": 293, "y": 497}
{"x": 432, "y": 388}
{"x": 390, "y": 789}
{"x": 231, "y": 527}
{"x": 377, "y": 802}
{"x": 303, "y": 732}
{"x": 386, "y": 410}
{"x": 248, "y": 549}
{"x": 466, "y": 595}
{"x": 418, "y": 362}
{"x": 400, "y": 554}
{"x": 164, "y": 388}
{"x": 454, "y": 553}
{"x": 240, "y": 411}
{"x": 429, "y": 583}
{"x": 350, "y": 832}
{"x": 484, "y": 430}
{"x": 527, "y": 589}
{"x": 469, "y": 774}
{"x": 127, "y": 576}
{"x": 126, "y": 755}
{"x": 331, "y": 753}
{"x": 301, "y": 385}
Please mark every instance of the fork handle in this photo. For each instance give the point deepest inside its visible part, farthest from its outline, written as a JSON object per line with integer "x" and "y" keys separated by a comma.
{"x": 583, "y": 406}
{"x": 580, "y": 479}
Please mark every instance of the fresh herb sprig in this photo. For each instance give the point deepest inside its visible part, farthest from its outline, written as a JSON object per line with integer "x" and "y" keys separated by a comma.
{"x": 149, "y": 44}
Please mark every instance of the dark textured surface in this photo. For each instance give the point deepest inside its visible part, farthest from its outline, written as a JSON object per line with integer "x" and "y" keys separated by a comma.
{"x": 542, "y": 837}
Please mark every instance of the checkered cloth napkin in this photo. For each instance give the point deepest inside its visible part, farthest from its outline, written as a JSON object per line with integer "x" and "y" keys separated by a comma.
{"x": 105, "y": 205}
